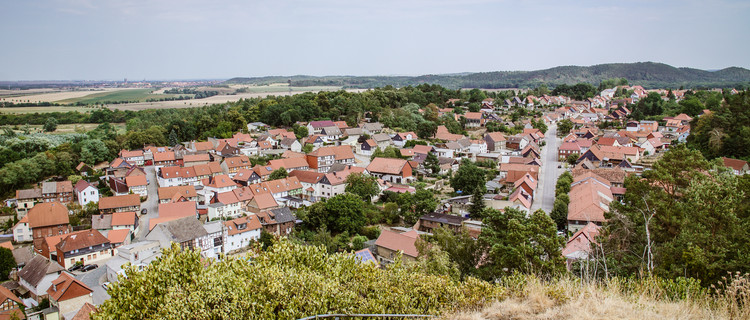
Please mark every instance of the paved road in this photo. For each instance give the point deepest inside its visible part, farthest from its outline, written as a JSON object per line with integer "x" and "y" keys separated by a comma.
{"x": 94, "y": 279}
{"x": 151, "y": 203}
{"x": 545, "y": 193}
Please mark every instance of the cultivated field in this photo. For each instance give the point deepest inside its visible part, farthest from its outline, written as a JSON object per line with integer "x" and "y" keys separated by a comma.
{"x": 69, "y": 128}
{"x": 21, "y": 96}
{"x": 220, "y": 99}
{"x": 45, "y": 109}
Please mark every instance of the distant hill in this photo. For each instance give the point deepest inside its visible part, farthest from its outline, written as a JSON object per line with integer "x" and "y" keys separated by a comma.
{"x": 647, "y": 74}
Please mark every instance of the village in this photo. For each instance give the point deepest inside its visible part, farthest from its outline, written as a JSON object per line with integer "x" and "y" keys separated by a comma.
{"x": 222, "y": 195}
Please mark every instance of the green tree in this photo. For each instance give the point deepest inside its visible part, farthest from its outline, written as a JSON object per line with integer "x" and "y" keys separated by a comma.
{"x": 300, "y": 132}
{"x": 564, "y": 126}
{"x": 179, "y": 285}
{"x": 432, "y": 163}
{"x": 572, "y": 159}
{"x": 340, "y": 213}
{"x": 477, "y": 204}
{"x": 7, "y": 263}
{"x": 173, "y": 139}
{"x": 514, "y": 242}
{"x": 50, "y": 125}
{"x": 559, "y": 214}
{"x": 427, "y": 129}
{"x": 468, "y": 178}
{"x": 307, "y": 148}
{"x": 363, "y": 185}
{"x": 94, "y": 151}
{"x": 279, "y": 173}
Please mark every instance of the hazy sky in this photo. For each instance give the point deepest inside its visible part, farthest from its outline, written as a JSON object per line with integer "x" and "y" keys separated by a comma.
{"x": 185, "y": 39}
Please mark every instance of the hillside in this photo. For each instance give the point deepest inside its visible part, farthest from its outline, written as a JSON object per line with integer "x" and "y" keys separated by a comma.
{"x": 647, "y": 74}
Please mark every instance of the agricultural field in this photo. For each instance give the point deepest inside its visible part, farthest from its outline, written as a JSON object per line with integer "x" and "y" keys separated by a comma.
{"x": 69, "y": 128}
{"x": 135, "y": 95}
{"x": 41, "y": 109}
{"x": 50, "y": 95}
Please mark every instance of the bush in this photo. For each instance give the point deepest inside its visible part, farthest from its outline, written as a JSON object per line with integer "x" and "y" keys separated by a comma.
{"x": 371, "y": 232}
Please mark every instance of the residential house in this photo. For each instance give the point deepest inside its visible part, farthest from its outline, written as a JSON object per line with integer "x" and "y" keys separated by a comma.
{"x": 289, "y": 164}
{"x": 353, "y": 132}
{"x": 738, "y": 167}
{"x": 331, "y": 133}
{"x": 241, "y": 232}
{"x": 478, "y": 146}
{"x": 278, "y": 221}
{"x": 173, "y": 211}
{"x": 85, "y": 192}
{"x": 393, "y": 170}
{"x": 60, "y": 191}
{"x": 390, "y": 244}
{"x": 579, "y": 246}
{"x": 137, "y": 185}
{"x": 224, "y": 205}
{"x": 232, "y": 165}
{"x": 323, "y": 158}
{"x": 368, "y": 146}
{"x": 130, "y": 202}
{"x": 516, "y": 171}
{"x": 401, "y": 138}
{"x": 589, "y": 200}
{"x": 217, "y": 184}
{"x": 568, "y": 148}
{"x": 26, "y": 199}
{"x": 125, "y": 220}
{"x": 188, "y": 233}
{"x": 372, "y": 128}
{"x": 86, "y": 246}
{"x": 165, "y": 159}
{"x": 527, "y": 183}
{"x": 43, "y": 220}
{"x": 37, "y": 275}
{"x": 431, "y": 221}
{"x": 316, "y": 127}
{"x": 316, "y": 140}
{"x": 190, "y": 160}
{"x": 10, "y": 305}
{"x": 133, "y": 157}
{"x": 68, "y": 295}
{"x": 119, "y": 237}
{"x": 291, "y": 144}
{"x": 174, "y": 194}
{"x": 256, "y": 126}
{"x": 474, "y": 119}
{"x": 334, "y": 183}
{"x": 516, "y": 142}
{"x": 262, "y": 202}
{"x": 383, "y": 140}
{"x": 246, "y": 177}
{"x": 311, "y": 188}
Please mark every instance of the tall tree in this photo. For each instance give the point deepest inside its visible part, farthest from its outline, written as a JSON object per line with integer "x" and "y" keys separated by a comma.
{"x": 363, "y": 185}
{"x": 468, "y": 178}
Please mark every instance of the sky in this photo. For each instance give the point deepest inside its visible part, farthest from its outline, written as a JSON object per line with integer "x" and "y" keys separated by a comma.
{"x": 219, "y": 39}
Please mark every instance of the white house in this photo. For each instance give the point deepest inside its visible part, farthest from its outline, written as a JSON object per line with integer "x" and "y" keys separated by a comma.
{"x": 225, "y": 205}
{"x": 240, "y": 232}
{"x": 138, "y": 254}
{"x": 86, "y": 193}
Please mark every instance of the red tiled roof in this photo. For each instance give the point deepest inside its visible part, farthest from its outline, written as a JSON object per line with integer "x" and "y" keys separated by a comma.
{"x": 48, "y": 214}
{"x": 118, "y": 236}
{"x": 119, "y": 201}
{"x": 66, "y": 287}
{"x": 387, "y": 165}
{"x": 123, "y": 218}
{"x": 136, "y": 181}
{"x": 404, "y": 242}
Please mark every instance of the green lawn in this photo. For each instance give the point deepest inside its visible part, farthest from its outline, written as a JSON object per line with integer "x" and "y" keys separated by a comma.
{"x": 130, "y": 95}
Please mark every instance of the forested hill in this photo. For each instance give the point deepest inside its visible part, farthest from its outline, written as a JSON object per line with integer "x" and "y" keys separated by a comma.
{"x": 647, "y": 74}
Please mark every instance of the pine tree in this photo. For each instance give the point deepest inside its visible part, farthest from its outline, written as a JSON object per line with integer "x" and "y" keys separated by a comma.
{"x": 477, "y": 204}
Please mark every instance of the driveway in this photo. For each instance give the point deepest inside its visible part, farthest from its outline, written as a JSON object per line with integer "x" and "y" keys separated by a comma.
{"x": 151, "y": 204}
{"x": 545, "y": 193}
{"x": 94, "y": 279}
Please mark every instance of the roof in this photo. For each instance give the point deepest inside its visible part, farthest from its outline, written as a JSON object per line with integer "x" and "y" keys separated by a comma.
{"x": 172, "y": 211}
{"x": 129, "y": 200}
{"x": 7, "y": 294}
{"x": 37, "y": 268}
{"x": 164, "y": 156}
{"x": 123, "y": 218}
{"x": 252, "y": 222}
{"x": 589, "y": 201}
{"x": 136, "y": 181}
{"x": 220, "y": 181}
{"x": 288, "y": 163}
{"x": 387, "y": 166}
{"x": 182, "y": 229}
{"x": 265, "y": 201}
{"x": 581, "y": 242}
{"x": 169, "y": 192}
{"x": 444, "y": 218}
{"x": 48, "y": 214}
{"x": 85, "y": 312}
{"x": 66, "y": 287}
{"x": 307, "y": 176}
{"x": 101, "y": 221}
{"x": 118, "y": 236}
{"x": 196, "y": 157}
{"x": 238, "y": 161}
{"x": 203, "y": 146}
{"x": 29, "y": 193}
{"x": 404, "y": 242}
{"x": 322, "y": 123}
{"x": 423, "y": 149}
{"x": 82, "y": 185}
{"x": 735, "y": 164}
{"x": 81, "y": 239}
{"x": 365, "y": 255}
{"x": 338, "y": 152}
{"x": 131, "y": 154}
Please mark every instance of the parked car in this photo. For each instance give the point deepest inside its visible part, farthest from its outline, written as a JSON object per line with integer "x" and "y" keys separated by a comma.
{"x": 144, "y": 211}
{"x": 89, "y": 267}
{"x": 105, "y": 285}
{"x": 75, "y": 267}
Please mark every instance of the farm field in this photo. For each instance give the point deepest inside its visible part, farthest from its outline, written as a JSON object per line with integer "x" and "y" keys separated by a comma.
{"x": 45, "y": 109}
{"x": 72, "y": 128}
{"x": 19, "y": 96}
{"x": 139, "y": 95}
{"x": 280, "y": 91}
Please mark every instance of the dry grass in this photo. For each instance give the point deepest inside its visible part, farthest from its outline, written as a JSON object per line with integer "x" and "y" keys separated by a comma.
{"x": 24, "y": 96}
{"x": 569, "y": 299}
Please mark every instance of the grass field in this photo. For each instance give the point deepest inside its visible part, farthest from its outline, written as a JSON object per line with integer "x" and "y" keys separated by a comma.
{"x": 45, "y": 109}
{"x": 139, "y": 95}
{"x": 72, "y": 128}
